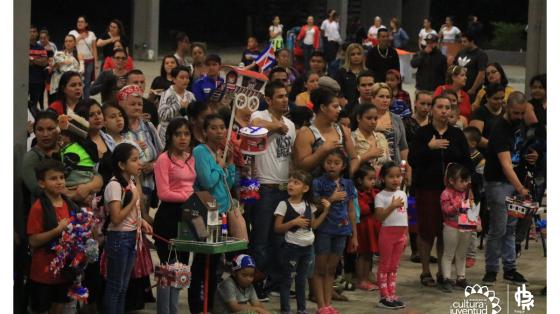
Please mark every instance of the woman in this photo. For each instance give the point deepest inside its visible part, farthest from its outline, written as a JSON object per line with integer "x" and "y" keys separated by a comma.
{"x": 164, "y": 80}
{"x": 494, "y": 75}
{"x": 311, "y": 84}
{"x": 65, "y": 60}
{"x": 110, "y": 62}
{"x": 448, "y": 34}
{"x": 433, "y": 148}
{"x": 484, "y": 117}
{"x": 347, "y": 76}
{"x": 87, "y": 47}
{"x": 70, "y": 90}
{"x": 175, "y": 100}
{"x": 217, "y": 176}
{"x": 426, "y": 29}
{"x": 283, "y": 59}
{"x": 309, "y": 35}
{"x": 372, "y": 32}
{"x": 90, "y": 110}
{"x": 536, "y": 109}
{"x": 371, "y": 146}
{"x": 389, "y": 124}
{"x": 197, "y": 113}
{"x": 198, "y": 55}
{"x": 331, "y": 36}
{"x": 275, "y": 33}
{"x": 175, "y": 177}
{"x": 112, "y": 80}
{"x": 456, "y": 80}
{"x": 399, "y": 36}
{"x": 115, "y": 32}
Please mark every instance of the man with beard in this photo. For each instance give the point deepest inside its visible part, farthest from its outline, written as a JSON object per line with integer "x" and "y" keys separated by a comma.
{"x": 505, "y": 165}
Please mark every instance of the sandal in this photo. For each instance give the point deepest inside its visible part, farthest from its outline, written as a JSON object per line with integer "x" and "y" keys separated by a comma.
{"x": 427, "y": 280}
{"x": 367, "y": 286}
{"x": 339, "y": 297}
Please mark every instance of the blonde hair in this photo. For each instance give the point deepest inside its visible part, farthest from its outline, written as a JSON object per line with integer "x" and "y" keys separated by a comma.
{"x": 348, "y": 52}
{"x": 379, "y": 86}
{"x": 453, "y": 70}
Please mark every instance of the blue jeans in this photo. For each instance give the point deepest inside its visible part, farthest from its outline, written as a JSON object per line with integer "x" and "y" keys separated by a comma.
{"x": 265, "y": 243}
{"x": 295, "y": 264}
{"x": 500, "y": 241}
{"x": 121, "y": 254}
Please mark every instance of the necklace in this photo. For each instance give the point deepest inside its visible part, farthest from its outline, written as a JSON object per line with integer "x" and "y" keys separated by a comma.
{"x": 380, "y": 54}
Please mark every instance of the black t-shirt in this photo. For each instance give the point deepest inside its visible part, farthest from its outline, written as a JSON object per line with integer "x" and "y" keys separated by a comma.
{"x": 474, "y": 60}
{"x": 379, "y": 62}
{"x": 489, "y": 119}
{"x": 504, "y": 137}
{"x": 108, "y": 49}
{"x": 36, "y": 73}
{"x": 161, "y": 82}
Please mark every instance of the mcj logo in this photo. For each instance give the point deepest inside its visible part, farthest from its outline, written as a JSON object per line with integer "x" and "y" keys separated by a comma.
{"x": 524, "y": 298}
{"x": 478, "y": 300}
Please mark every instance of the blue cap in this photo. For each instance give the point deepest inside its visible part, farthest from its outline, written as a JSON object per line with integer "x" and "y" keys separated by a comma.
{"x": 242, "y": 261}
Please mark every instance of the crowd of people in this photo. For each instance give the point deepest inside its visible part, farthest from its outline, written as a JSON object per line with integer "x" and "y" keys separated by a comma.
{"x": 356, "y": 168}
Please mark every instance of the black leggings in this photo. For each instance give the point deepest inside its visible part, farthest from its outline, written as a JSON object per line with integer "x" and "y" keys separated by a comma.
{"x": 196, "y": 303}
{"x": 165, "y": 225}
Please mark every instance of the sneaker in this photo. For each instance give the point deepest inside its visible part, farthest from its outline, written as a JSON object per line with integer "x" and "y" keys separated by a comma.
{"x": 367, "y": 286}
{"x": 489, "y": 278}
{"x": 433, "y": 259}
{"x": 398, "y": 302}
{"x": 274, "y": 293}
{"x": 470, "y": 262}
{"x": 461, "y": 283}
{"x": 515, "y": 278}
{"x": 439, "y": 278}
{"x": 387, "y": 304}
{"x": 323, "y": 310}
{"x": 261, "y": 294}
{"x": 446, "y": 286}
{"x": 332, "y": 310}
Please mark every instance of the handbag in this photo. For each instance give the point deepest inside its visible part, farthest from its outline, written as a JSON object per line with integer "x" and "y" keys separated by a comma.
{"x": 176, "y": 275}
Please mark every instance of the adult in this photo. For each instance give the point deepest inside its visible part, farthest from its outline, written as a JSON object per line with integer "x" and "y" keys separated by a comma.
{"x": 456, "y": 78}
{"x": 475, "y": 60}
{"x": 398, "y": 35}
{"x": 356, "y": 32}
{"x": 488, "y": 114}
{"x": 317, "y": 64}
{"x": 272, "y": 168}
{"x": 448, "y": 34}
{"x": 283, "y": 60}
{"x": 115, "y": 32}
{"x": 275, "y": 33}
{"x": 136, "y": 77}
{"x": 371, "y": 146}
{"x": 505, "y": 168}
{"x": 87, "y": 47}
{"x": 198, "y": 55}
{"x": 175, "y": 100}
{"x": 182, "y": 48}
{"x": 536, "y": 108}
{"x": 382, "y": 57}
{"x": 217, "y": 176}
{"x": 495, "y": 74}
{"x": 388, "y": 123}
{"x": 431, "y": 65}
{"x": 309, "y": 35}
{"x": 347, "y": 76}
{"x": 175, "y": 178}
{"x": 433, "y": 148}
{"x": 424, "y": 32}
{"x": 110, "y": 63}
{"x": 91, "y": 111}
{"x": 44, "y": 41}
{"x": 365, "y": 82}
{"x": 38, "y": 61}
{"x": 162, "y": 82}
{"x": 197, "y": 113}
{"x": 373, "y": 31}
{"x": 331, "y": 36}
{"x": 112, "y": 80}
{"x": 205, "y": 86}
{"x": 69, "y": 92}
{"x": 475, "y": 27}
{"x": 65, "y": 60}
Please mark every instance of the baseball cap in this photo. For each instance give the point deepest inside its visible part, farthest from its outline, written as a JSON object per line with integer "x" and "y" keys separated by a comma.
{"x": 430, "y": 38}
{"x": 242, "y": 261}
{"x": 330, "y": 83}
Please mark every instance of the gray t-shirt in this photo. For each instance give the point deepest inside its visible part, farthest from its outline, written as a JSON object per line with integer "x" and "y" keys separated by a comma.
{"x": 228, "y": 291}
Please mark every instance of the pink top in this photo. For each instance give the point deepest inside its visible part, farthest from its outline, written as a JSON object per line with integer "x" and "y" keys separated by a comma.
{"x": 174, "y": 178}
{"x": 451, "y": 202}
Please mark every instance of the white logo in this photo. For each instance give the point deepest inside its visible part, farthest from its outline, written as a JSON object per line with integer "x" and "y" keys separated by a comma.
{"x": 524, "y": 298}
{"x": 463, "y": 61}
{"x": 478, "y": 300}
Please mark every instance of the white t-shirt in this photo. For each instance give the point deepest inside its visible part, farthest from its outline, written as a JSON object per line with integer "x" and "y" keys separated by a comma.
{"x": 331, "y": 30}
{"x": 84, "y": 46}
{"x": 114, "y": 192}
{"x": 399, "y": 216}
{"x": 276, "y": 29}
{"x": 372, "y": 32}
{"x": 273, "y": 166}
{"x": 450, "y": 35}
{"x": 422, "y": 35}
{"x": 301, "y": 237}
{"x": 309, "y": 35}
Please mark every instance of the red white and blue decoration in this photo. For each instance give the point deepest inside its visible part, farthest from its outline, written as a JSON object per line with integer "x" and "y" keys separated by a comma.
{"x": 266, "y": 59}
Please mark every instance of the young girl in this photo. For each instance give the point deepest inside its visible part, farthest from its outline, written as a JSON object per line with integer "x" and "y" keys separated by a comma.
{"x": 122, "y": 198}
{"x": 390, "y": 208}
{"x": 339, "y": 224}
{"x": 454, "y": 202}
{"x": 294, "y": 218}
{"x": 364, "y": 178}
{"x": 311, "y": 83}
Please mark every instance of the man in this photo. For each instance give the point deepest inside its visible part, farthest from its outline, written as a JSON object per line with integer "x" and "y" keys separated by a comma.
{"x": 38, "y": 61}
{"x": 365, "y": 87}
{"x": 431, "y": 64}
{"x": 280, "y": 74}
{"x": 205, "y": 86}
{"x": 136, "y": 77}
{"x": 317, "y": 64}
{"x": 272, "y": 168}
{"x": 182, "y": 48}
{"x": 475, "y": 60}
{"x": 475, "y": 27}
{"x": 506, "y": 163}
{"x": 382, "y": 57}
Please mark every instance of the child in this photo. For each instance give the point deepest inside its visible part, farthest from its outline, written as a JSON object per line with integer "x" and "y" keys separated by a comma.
{"x": 454, "y": 202}
{"x": 401, "y": 101}
{"x": 236, "y": 294}
{"x": 364, "y": 179}
{"x": 311, "y": 83}
{"x": 48, "y": 217}
{"x": 455, "y": 117}
{"x": 294, "y": 218}
{"x": 122, "y": 198}
{"x": 391, "y": 210}
{"x": 251, "y": 53}
{"x": 330, "y": 239}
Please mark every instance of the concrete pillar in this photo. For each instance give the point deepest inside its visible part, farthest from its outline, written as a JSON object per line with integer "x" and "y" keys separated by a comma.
{"x": 536, "y": 41}
{"x": 341, "y": 6}
{"x": 22, "y": 18}
{"x": 145, "y": 26}
{"x": 413, "y": 14}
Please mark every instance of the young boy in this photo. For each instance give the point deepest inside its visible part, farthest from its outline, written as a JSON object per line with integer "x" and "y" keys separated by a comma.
{"x": 236, "y": 294}
{"x": 48, "y": 217}
{"x": 205, "y": 86}
{"x": 251, "y": 53}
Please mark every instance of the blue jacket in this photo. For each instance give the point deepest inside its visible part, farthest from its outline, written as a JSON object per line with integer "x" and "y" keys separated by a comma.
{"x": 204, "y": 86}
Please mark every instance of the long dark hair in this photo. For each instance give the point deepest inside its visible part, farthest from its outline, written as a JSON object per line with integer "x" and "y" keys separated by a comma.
{"x": 360, "y": 111}
{"x": 361, "y": 173}
{"x": 504, "y": 81}
{"x": 321, "y": 97}
{"x": 84, "y": 106}
{"x": 307, "y": 179}
{"x": 455, "y": 171}
{"x": 122, "y": 33}
{"x": 85, "y": 20}
{"x": 64, "y": 79}
{"x": 162, "y": 72}
{"x": 111, "y": 104}
{"x": 121, "y": 153}
{"x": 75, "y": 50}
{"x": 173, "y": 126}
{"x": 385, "y": 170}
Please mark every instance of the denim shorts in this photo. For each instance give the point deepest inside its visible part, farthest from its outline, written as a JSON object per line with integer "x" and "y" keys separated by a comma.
{"x": 326, "y": 244}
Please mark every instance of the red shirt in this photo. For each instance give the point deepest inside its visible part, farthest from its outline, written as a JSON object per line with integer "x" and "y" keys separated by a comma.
{"x": 464, "y": 106}
{"x": 365, "y": 200}
{"x": 57, "y": 106}
{"x": 41, "y": 257}
{"x": 109, "y": 64}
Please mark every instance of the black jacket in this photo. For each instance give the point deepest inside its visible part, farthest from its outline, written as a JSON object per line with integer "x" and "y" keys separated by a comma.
{"x": 379, "y": 64}
{"x": 348, "y": 82}
{"x": 431, "y": 69}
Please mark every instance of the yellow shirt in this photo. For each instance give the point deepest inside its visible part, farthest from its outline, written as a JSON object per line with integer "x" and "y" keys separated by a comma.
{"x": 302, "y": 99}
{"x": 482, "y": 93}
